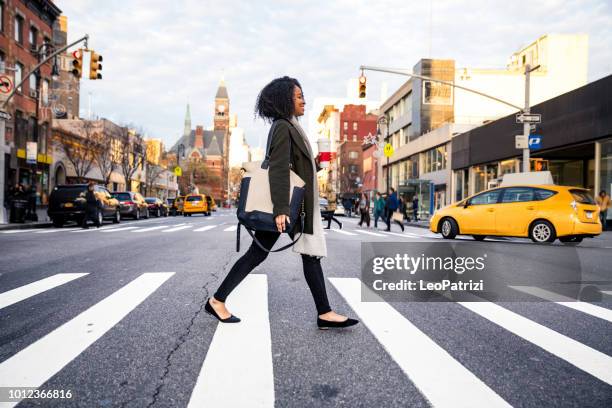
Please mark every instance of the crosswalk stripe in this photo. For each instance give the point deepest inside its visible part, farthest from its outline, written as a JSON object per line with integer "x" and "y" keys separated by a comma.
{"x": 588, "y": 308}
{"x": 376, "y": 234}
{"x": 14, "y": 231}
{"x": 178, "y": 228}
{"x": 426, "y": 363}
{"x": 118, "y": 229}
{"x": 47, "y": 231}
{"x": 237, "y": 370}
{"x": 397, "y": 234}
{"x": 38, "y": 362}
{"x": 151, "y": 228}
{"x": 232, "y": 228}
{"x": 23, "y": 292}
{"x": 206, "y": 228}
{"x": 584, "y": 357}
{"x": 343, "y": 232}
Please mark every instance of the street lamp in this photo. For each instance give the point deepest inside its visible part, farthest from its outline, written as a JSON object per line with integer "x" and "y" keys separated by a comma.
{"x": 384, "y": 121}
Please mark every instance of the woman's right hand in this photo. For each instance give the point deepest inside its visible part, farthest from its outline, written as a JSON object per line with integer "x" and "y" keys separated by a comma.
{"x": 280, "y": 222}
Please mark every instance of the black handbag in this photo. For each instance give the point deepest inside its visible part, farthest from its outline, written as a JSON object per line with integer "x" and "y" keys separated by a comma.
{"x": 255, "y": 208}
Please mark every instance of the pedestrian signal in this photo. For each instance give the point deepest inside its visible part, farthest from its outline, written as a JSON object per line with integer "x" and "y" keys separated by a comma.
{"x": 362, "y": 86}
{"x": 77, "y": 63}
{"x": 94, "y": 66}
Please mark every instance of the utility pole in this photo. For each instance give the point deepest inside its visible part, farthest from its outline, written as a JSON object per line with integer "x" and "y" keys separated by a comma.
{"x": 527, "y": 125}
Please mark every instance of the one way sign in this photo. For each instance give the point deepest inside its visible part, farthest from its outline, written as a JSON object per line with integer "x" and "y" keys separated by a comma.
{"x": 528, "y": 118}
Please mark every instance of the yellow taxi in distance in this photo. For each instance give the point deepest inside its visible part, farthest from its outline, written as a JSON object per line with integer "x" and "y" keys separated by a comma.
{"x": 195, "y": 204}
{"x": 540, "y": 212}
{"x": 177, "y": 205}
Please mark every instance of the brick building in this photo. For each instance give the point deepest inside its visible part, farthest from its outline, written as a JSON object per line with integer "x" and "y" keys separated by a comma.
{"x": 24, "y": 27}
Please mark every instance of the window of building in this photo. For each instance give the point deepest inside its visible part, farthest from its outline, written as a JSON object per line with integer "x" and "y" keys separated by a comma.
{"x": 406, "y": 132}
{"x": 345, "y": 125}
{"x": 354, "y": 137}
{"x": 45, "y": 92}
{"x": 2, "y": 62}
{"x": 33, "y": 38}
{"x": 345, "y": 137}
{"x": 1, "y": 16}
{"x": 33, "y": 83}
{"x": 353, "y": 155}
{"x": 18, "y": 73}
{"x": 352, "y": 168}
{"x": 19, "y": 29}
{"x": 354, "y": 125}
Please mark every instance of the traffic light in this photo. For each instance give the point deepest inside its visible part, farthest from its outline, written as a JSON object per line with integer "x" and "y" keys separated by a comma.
{"x": 362, "y": 86}
{"x": 539, "y": 165}
{"x": 94, "y": 66}
{"x": 77, "y": 63}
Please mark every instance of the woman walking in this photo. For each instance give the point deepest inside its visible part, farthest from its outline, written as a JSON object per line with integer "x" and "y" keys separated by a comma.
{"x": 282, "y": 101}
{"x": 364, "y": 210}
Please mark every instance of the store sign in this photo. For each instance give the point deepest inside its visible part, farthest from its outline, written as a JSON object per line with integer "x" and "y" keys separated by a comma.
{"x": 31, "y": 152}
{"x": 436, "y": 93}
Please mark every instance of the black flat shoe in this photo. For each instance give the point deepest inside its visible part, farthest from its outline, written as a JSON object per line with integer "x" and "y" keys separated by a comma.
{"x": 209, "y": 309}
{"x": 326, "y": 324}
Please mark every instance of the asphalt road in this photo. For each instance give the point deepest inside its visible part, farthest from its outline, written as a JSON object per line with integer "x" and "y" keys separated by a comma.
{"x": 115, "y": 315}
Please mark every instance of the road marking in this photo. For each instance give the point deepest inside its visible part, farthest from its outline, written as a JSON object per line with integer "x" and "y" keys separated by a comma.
{"x": 151, "y": 228}
{"x": 119, "y": 229}
{"x": 343, "y": 232}
{"x": 40, "y": 361}
{"x": 237, "y": 370}
{"x": 584, "y": 357}
{"x": 23, "y": 292}
{"x": 57, "y": 230}
{"x": 607, "y": 292}
{"x": 206, "y": 228}
{"x": 376, "y": 234}
{"x": 588, "y": 308}
{"x": 425, "y": 363}
{"x": 232, "y": 228}
{"x": 14, "y": 231}
{"x": 177, "y": 228}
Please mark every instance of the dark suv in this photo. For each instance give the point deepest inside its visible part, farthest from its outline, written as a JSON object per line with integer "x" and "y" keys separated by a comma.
{"x": 131, "y": 204}
{"x": 67, "y": 203}
{"x": 157, "y": 207}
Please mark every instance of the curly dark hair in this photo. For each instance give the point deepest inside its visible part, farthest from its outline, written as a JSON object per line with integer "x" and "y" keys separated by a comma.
{"x": 275, "y": 101}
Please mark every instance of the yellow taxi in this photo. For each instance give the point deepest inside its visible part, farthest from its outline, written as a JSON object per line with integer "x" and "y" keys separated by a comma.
{"x": 177, "y": 205}
{"x": 540, "y": 212}
{"x": 195, "y": 204}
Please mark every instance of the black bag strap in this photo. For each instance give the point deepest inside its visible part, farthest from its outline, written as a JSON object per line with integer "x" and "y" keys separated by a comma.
{"x": 302, "y": 215}
{"x": 266, "y": 161}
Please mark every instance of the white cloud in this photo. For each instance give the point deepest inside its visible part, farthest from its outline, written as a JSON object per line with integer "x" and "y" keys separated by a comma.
{"x": 160, "y": 55}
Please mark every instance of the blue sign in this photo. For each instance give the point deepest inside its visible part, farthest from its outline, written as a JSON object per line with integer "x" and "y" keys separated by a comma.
{"x": 535, "y": 142}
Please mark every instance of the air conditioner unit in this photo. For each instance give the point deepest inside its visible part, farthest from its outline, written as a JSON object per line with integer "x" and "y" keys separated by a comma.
{"x": 33, "y": 93}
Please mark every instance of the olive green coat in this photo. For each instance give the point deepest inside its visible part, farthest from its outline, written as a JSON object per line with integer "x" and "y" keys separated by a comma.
{"x": 278, "y": 172}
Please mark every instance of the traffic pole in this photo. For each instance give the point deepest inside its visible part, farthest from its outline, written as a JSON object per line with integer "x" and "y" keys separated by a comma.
{"x": 526, "y": 124}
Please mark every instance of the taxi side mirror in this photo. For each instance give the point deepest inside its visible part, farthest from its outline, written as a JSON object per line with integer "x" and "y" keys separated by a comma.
{"x": 466, "y": 204}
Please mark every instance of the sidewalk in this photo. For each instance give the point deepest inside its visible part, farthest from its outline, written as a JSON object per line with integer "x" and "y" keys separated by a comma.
{"x": 43, "y": 220}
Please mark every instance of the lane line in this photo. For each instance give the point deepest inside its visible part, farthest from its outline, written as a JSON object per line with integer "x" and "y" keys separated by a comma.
{"x": 206, "y": 228}
{"x": 232, "y": 228}
{"x": 177, "y": 228}
{"x": 584, "y": 357}
{"x": 343, "y": 232}
{"x": 23, "y": 292}
{"x": 584, "y": 307}
{"x": 444, "y": 381}
{"x": 376, "y": 234}
{"x": 238, "y": 370}
{"x": 40, "y": 361}
{"x": 118, "y": 229}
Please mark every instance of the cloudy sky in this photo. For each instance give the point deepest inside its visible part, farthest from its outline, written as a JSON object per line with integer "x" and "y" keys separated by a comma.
{"x": 160, "y": 55}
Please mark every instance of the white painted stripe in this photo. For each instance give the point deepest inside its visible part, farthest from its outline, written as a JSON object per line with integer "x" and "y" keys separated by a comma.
{"x": 238, "y": 371}
{"x": 607, "y": 292}
{"x": 206, "y": 228}
{"x": 151, "y": 228}
{"x": 38, "y": 362}
{"x": 14, "y": 231}
{"x": 343, "y": 232}
{"x": 376, "y": 234}
{"x": 584, "y": 357}
{"x": 588, "y": 308}
{"x": 57, "y": 230}
{"x": 177, "y": 228}
{"x": 232, "y": 228}
{"x": 23, "y": 292}
{"x": 118, "y": 229}
{"x": 444, "y": 381}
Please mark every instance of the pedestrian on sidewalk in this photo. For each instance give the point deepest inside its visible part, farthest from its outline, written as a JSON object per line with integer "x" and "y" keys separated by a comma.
{"x": 392, "y": 206}
{"x": 364, "y": 210}
{"x": 282, "y": 102}
{"x": 415, "y": 208}
{"x": 403, "y": 208}
{"x": 92, "y": 206}
{"x": 379, "y": 209}
{"x": 603, "y": 202}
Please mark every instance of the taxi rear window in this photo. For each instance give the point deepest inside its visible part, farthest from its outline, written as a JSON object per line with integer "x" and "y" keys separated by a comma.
{"x": 194, "y": 198}
{"x": 582, "y": 196}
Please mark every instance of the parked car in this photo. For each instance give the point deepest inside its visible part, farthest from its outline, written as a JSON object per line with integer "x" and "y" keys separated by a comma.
{"x": 177, "y": 205}
{"x": 132, "y": 204}
{"x": 170, "y": 205}
{"x": 67, "y": 203}
{"x": 540, "y": 212}
{"x": 196, "y": 204}
{"x": 156, "y": 207}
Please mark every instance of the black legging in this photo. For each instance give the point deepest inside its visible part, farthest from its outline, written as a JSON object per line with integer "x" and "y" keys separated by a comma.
{"x": 255, "y": 255}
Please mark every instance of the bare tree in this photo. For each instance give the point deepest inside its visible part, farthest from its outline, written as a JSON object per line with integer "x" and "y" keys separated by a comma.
{"x": 104, "y": 154}
{"x": 132, "y": 153}
{"x": 79, "y": 152}
{"x": 153, "y": 172}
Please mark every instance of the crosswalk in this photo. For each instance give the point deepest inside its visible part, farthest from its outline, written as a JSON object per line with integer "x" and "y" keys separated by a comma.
{"x": 238, "y": 367}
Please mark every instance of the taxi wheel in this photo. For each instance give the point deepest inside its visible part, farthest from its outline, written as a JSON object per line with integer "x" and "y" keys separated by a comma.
{"x": 100, "y": 218}
{"x": 479, "y": 237}
{"x": 184, "y": 214}
{"x": 117, "y": 218}
{"x": 542, "y": 231}
{"x": 449, "y": 228}
{"x": 571, "y": 240}
{"x": 58, "y": 222}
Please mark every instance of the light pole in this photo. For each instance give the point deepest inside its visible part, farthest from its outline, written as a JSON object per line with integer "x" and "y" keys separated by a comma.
{"x": 383, "y": 120}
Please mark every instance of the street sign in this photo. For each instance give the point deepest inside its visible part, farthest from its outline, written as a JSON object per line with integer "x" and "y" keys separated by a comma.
{"x": 178, "y": 172}
{"x": 535, "y": 142}
{"x": 6, "y": 84}
{"x": 520, "y": 142}
{"x": 528, "y": 118}
{"x": 5, "y": 115}
{"x": 389, "y": 150}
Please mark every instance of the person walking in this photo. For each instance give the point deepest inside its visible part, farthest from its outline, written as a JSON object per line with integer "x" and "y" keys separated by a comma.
{"x": 603, "y": 202}
{"x": 364, "y": 210}
{"x": 91, "y": 206}
{"x": 392, "y": 206}
{"x": 415, "y": 208}
{"x": 403, "y": 208}
{"x": 379, "y": 209}
{"x": 281, "y": 102}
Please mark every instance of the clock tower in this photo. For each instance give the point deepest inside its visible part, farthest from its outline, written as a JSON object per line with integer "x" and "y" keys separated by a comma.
{"x": 222, "y": 118}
